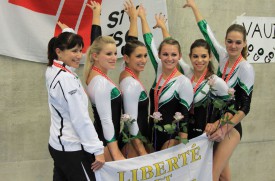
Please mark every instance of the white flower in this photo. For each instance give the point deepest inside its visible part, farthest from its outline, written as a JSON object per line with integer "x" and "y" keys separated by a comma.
{"x": 178, "y": 116}
{"x": 157, "y": 117}
{"x": 125, "y": 117}
{"x": 231, "y": 92}
{"x": 125, "y": 120}
{"x": 211, "y": 81}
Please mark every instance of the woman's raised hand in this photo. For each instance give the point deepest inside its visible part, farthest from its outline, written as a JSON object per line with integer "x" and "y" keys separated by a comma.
{"x": 160, "y": 20}
{"x": 95, "y": 7}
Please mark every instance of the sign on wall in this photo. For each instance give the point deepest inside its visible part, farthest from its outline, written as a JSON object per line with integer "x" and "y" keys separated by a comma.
{"x": 260, "y": 38}
{"x": 117, "y": 21}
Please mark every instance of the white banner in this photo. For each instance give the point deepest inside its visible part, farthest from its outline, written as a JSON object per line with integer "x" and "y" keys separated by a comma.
{"x": 28, "y": 25}
{"x": 260, "y": 38}
{"x": 190, "y": 162}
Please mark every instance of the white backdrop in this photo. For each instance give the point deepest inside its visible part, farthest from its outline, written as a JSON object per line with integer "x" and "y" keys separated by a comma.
{"x": 260, "y": 38}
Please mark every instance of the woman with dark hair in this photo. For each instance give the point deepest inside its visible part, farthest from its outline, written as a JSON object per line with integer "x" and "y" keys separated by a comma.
{"x": 135, "y": 97}
{"x": 73, "y": 143}
{"x": 207, "y": 87}
{"x": 171, "y": 93}
{"x": 238, "y": 74}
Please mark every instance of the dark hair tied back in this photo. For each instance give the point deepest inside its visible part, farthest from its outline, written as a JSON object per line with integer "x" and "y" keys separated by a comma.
{"x": 131, "y": 45}
{"x": 64, "y": 41}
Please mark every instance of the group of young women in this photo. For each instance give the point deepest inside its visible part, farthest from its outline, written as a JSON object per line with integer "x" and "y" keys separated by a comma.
{"x": 76, "y": 143}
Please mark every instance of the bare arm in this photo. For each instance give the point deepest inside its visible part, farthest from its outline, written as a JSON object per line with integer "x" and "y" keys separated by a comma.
{"x": 96, "y": 28}
{"x": 132, "y": 12}
{"x": 96, "y": 8}
{"x": 144, "y": 22}
{"x": 98, "y": 163}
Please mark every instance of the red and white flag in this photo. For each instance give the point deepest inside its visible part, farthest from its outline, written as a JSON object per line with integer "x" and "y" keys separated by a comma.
{"x": 28, "y": 25}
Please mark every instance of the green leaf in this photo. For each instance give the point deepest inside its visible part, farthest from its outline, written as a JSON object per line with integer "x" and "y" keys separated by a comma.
{"x": 218, "y": 103}
{"x": 183, "y": 124}
{"x": 125, "y": 140}
{"x": 169, "y": 128}
{"x": 159, "y": 128}
{"x": 184, "y": 129}
{"x": 184, "y": 140}
{"x": 121, "y": 126}
{"x": 232, "y": 108}
{"x": 143, "y": 139}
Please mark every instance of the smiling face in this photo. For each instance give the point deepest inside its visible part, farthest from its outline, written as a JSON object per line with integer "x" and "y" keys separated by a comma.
{"x": 169, "y": 55}
{"x": 106, "y": 58}
{"x": 200, "y": 58}
{"x": 70, "y": 57}
{"x": 137, "y": 59}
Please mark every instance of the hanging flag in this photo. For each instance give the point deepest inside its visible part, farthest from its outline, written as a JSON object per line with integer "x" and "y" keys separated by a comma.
{"x": 27, "y": 26}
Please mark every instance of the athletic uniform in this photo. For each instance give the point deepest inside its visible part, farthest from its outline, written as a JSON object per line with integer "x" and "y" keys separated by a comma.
{"x": 106, "y": 102}
{"x": 135, "y": 103}
{"x": 73, "y": 139}
{"x": 199, "y": 114}
{"x": 177, "y": 96}
{"x": 242, "y": 79}
{"x": 202, "y": 115}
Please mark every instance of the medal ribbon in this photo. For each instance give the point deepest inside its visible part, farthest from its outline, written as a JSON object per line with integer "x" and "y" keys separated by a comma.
{"x": 202, "y": 77}
{"x": 231, "y": 70}
{"x": 104, "y": 75}
{"x": 127, "y": 69}
{"x": 64, "y": 68}
{"x": 157, "y": 91}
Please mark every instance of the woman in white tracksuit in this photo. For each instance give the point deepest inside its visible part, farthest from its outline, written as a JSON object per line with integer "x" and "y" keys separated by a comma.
{"x": 73, "y": 143}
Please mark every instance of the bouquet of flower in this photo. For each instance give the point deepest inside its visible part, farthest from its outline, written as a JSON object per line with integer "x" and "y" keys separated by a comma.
{"x": 222, "y": 105}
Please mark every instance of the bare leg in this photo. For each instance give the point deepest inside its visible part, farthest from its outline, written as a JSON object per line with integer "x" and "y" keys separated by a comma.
{"x": 225, "y": 175}
{"x": 129, "y": 151}
{"x": 169, "y": 143}
{"x": 223, "y": 153}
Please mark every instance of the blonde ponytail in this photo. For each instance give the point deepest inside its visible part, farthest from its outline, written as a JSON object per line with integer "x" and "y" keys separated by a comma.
{"x": 88, "y": 63}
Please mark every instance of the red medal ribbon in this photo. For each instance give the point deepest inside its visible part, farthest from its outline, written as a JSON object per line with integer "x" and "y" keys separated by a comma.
{"x": 104, "y": 75}
{"x": 231, "y": 70}
{"x": 157, "y": 91}
{"x": 64, "y": 68}
{"x": 127, "y": 69}
{"x": 202, "y": 77}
